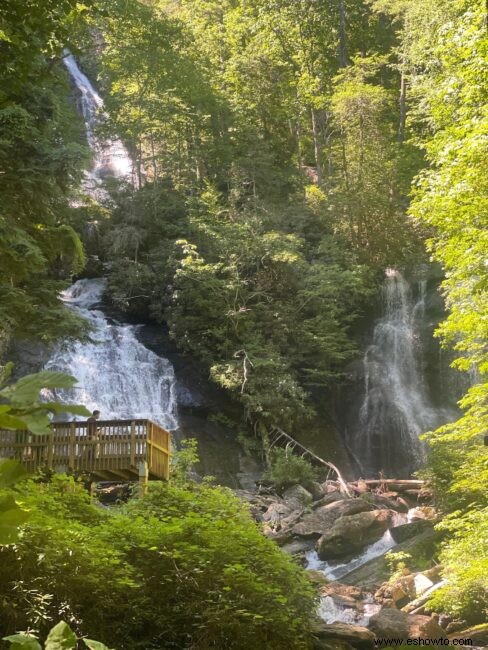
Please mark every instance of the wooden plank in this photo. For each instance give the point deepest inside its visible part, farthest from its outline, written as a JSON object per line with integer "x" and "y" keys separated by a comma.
{"x": 72, "y": 446}
{"x": 133, "y": 443}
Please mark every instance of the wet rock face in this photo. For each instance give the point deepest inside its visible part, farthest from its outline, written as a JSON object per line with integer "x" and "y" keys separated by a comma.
{"x": 333, "y": 634}
{"x": 319, "y": 521}
{"x": 351, "y": 533}
{"x": 395, "y": 624}
{"x": 389, "y": 623}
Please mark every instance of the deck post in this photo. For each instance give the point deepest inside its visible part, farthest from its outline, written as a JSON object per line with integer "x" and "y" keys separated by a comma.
{"x": 143, "y": 477}
{"x": 72, "y": 445}
{"x": 50, "y": 450}
{"x": 133, "y": 444}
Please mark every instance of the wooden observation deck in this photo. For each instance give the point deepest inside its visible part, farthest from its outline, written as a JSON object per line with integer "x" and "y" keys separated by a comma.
{"x": 106, "y": 449}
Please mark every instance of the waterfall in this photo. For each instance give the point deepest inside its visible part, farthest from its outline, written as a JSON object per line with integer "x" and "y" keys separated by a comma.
{"x": 116, "y": 373}
{"x": 110, "y": 157}
{"x": 396, "y": 408}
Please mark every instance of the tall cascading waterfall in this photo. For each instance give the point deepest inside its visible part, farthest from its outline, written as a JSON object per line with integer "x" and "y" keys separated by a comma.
{"x": 110, "y": 157}
{"x": 396, "y": 408}
{"x": 116, "y": 373}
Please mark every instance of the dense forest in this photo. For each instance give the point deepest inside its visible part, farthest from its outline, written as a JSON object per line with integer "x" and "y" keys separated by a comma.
{"x": 285, "y": 153}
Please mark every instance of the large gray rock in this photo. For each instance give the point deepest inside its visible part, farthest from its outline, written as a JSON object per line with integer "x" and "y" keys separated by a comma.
{"x": 389, "y": 623}
{"x": 406, "y": 531}
{"x": 330, "y": 497}
{"x": 395, "y": 624}
{"x": 321, "y": 519}
{"x": 354, "y": 635}
{"x": 315, "y": 489}
{"x": 352, "y": 533}
{"x": 299, "y": 494}
{"x": 424, "y": 627}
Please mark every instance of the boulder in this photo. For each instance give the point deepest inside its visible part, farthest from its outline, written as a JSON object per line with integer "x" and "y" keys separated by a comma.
{"x": 389, "y": 623}
{"x": 455, "y": 626}
{"x": 395, "y": 624}
{"x": 330, "y": 497}
{"x": 298, "y": 546}
{"x": 317, "y": 578}
{"x": 344, "y": 595}
{"x": 315, "y": 489}
{"x": 384, "y": 501}
{"x": 351, "y": 533}
{"x": 406, "y": 531}
{"x": 297, "y": 494}
{"x": 399, "y": 592}
{"x": 354, "y": 635}
{"x": 424, "y": 627}
{"x": 423, "y": 512}
{"x": 322, "y": 518}
{"x": 279, "y": 518}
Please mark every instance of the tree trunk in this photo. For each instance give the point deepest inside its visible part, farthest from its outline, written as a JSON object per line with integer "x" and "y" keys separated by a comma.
{"x": 403, "y": 108}
{"x": 316, "y": 146}
{"x": 342, "y": 34}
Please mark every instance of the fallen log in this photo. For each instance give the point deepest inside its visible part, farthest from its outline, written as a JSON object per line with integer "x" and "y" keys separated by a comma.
{"x": 395, "y": 485}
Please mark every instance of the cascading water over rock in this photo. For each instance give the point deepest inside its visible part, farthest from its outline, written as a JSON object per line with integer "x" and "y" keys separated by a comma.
{"x": 396, "y": 408}
{"x": 110, "y": 157}
{"x": 116, "y": 373}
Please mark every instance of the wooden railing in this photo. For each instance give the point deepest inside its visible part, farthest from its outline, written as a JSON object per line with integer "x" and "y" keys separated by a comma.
{"x": 106, "y": 448}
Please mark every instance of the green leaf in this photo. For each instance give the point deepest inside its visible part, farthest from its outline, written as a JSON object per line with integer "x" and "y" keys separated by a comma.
{"x": 76, "y": 409}
{"x": 95, "y": 645}
{"x": 11, "y": 517}
{"x": 11, "y": 422}
{"x": 61, "y": 637}
{"x": 27, "y": 389}
{"x": 22, "y": 642}
{"x": 11, "y": 471}
{"x": 38, "y": 422}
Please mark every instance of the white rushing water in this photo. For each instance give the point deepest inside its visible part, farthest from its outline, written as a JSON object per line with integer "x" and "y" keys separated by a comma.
{"x": 336, "y": 571}
{"x": 110, "y": 157}
{"x": 396, "y": 407}
{"x": 116, "y": 373}
{"x": 332, "y": 610}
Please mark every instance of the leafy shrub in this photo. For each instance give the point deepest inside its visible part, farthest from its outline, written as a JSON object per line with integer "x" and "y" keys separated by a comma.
{"x": 465, "y": 559}
{"x": 181, "y": 567}
{"x": 287, "y": 470}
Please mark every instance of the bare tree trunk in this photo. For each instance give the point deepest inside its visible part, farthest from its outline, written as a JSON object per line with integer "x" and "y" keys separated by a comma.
{"x": 403, "y": 108}
{"x": 342, "y": 34}
{"x": 316, "y": 146}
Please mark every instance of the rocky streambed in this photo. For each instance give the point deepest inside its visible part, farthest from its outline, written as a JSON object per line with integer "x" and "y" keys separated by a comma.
{"x": 371, "y": 553}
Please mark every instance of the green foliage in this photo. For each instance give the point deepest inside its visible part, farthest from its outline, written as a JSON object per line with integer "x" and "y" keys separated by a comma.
{"x": 61, "y": 637}
{"x": 450, "y": 198}
{"x": 186, "y": 567}
{"x": 287, "y": 470}
{"x": 397, "y": 562}
{"x": 23, "y": 409}
{"x": 41, "y": 161}
{"x": 234, "y": 111}
{"x": 465, "y": 559}
{"x": 183, "y": 462}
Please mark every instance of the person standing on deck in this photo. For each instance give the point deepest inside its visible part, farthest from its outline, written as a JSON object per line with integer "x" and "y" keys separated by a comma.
{"x": 93, "y": 433}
